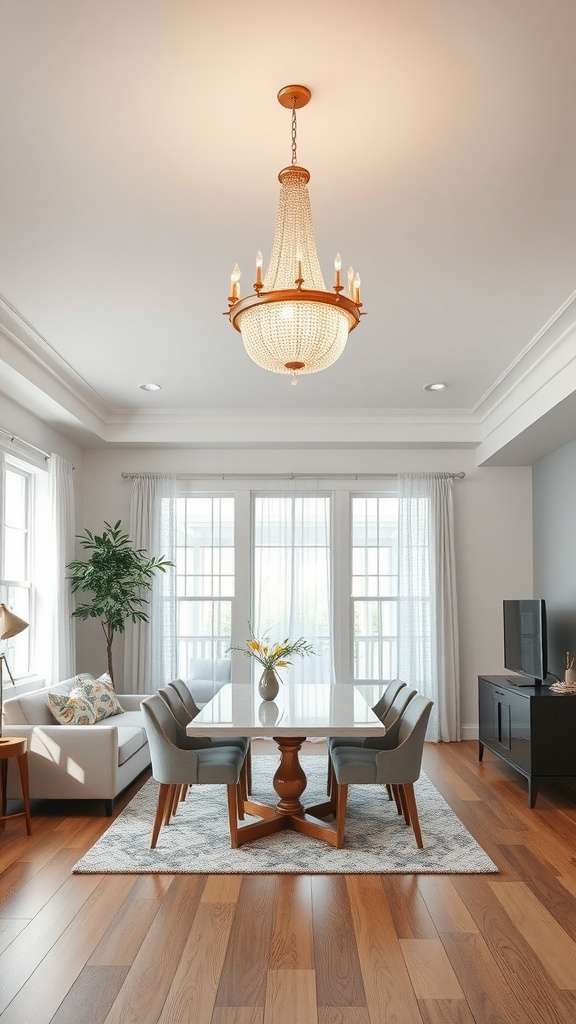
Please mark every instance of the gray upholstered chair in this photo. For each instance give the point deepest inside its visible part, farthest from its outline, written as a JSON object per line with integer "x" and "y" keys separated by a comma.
{"x": 174, "y": 767}
{"x": 382, "y": 706}
{"x": 391, "y": 720}
{"x": 171, "y": 698}
{"x": 399, "y": 767}
{"x": 186, "y": 697}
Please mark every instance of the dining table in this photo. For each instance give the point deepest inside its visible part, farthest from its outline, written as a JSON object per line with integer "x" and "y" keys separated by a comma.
{"x": 299, "y": 711}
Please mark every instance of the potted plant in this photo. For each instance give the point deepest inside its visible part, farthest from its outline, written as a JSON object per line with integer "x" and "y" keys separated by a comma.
{"x": 116, "y": 574}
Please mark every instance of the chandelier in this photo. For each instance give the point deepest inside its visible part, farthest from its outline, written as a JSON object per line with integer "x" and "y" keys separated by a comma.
{"x": 291, "y": 323}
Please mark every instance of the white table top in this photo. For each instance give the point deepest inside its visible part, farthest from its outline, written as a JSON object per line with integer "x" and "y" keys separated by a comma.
{"x": 298, "y": 710}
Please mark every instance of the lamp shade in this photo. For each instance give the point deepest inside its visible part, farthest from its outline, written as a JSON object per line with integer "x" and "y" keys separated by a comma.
{"x": 10, "y": 624}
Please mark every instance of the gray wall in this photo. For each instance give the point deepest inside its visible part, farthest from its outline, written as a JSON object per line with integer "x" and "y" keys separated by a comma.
{"x": 554, "y": 516}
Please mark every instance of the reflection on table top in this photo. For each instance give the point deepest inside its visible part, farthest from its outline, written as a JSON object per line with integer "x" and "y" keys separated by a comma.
{"x": 298, "y": 710}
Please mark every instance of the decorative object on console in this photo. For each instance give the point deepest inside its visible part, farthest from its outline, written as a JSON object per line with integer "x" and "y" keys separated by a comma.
{"x": 568, "y": 685}
{"x": 271, "y": 657}
{"x": 10, "y": 625}
{"x": 116, "y": 574}
{"x": 290, "y": 323}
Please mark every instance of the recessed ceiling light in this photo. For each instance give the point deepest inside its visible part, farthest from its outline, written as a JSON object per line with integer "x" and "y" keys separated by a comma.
{"x": 150, "y": 387}
{"x": 435, "y": 387}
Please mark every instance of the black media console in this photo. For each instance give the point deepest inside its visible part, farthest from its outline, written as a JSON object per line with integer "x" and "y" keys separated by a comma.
{"x": 532, "y": 728}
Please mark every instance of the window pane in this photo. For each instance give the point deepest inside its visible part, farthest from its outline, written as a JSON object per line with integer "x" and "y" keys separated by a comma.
{"x": 292, "y": 573}
{"x": 375, "y": 577}
{"x": 205, "y": 575}
{"x": 16, "y": 492}
{"x": 15, "y": 554}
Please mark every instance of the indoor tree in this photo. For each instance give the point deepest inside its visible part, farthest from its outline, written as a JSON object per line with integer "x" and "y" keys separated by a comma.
{"x": 117, "y": 574}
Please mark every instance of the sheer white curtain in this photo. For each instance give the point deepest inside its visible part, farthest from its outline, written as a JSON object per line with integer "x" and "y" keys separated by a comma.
{"x": 427, "y": 613}
{"x": 61, "y": 551}
{"x": 150, "y": 648}
{"x": 292, "y": 583}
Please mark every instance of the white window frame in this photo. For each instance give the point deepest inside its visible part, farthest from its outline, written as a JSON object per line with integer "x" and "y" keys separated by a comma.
{"x": 341, "y": 493}
{"x": 35, "y": 581}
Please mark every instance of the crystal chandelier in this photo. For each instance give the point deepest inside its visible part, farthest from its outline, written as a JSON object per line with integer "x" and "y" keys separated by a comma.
{"x": 291, "y": 323}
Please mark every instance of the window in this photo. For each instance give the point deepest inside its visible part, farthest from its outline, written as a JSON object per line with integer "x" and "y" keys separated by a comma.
{"x": 317, "y": 564}
{"x": 16, "y": 556}
{"x": 292, "y": 576}
{"x": 205, "y": 578}
{"x": 375, "y": 586}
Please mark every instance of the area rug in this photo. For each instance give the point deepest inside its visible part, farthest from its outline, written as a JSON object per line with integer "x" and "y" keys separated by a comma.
{"x": 376, "y": 839}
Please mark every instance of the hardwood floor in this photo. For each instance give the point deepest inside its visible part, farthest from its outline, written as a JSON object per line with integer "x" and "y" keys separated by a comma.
{"x": 365, "y": 949}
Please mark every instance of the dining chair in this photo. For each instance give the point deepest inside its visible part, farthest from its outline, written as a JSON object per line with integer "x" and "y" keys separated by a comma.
{"x": 172, "y": 700}
{"x": 174, "y": 766}
{"x": 399, "y": 767}
{"x": 391, "y": 721}
{"x": 382, "y": 706}
{"x": 186, "y": 697}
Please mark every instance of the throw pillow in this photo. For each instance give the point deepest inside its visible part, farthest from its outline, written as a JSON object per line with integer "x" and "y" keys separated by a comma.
{"x": 101, "y": 694}
{"x": 72, "y": 708}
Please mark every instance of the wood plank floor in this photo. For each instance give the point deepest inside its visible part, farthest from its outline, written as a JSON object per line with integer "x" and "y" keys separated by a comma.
{"x": 372, "y": 949}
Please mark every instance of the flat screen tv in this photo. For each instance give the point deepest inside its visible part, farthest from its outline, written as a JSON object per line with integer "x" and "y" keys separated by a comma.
{"x": 525, "y": 638}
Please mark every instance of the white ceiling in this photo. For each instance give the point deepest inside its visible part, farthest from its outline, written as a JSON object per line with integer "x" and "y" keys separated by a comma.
{"x": 141, "y": 141}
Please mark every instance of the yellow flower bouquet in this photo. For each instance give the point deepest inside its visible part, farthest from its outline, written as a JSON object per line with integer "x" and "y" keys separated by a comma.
{"x": 273, "y": 655}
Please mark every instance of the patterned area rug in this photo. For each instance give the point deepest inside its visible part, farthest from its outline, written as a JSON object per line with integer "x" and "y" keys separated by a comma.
{"x": 376, "y": 839}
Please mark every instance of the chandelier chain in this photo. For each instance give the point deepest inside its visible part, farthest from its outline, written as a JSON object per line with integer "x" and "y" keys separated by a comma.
{"x": 294, "y": 160}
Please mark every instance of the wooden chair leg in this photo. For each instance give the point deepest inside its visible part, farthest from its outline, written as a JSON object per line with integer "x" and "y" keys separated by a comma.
{"x": 163, "y": 794}
{"x": 330, "y": 779}
{"x": 243, "y": 780}
{"x": 403, "y": 804}
{"x": 169, "y": 803}
{"x": 341, "y": 800}
{"x": 389, "y": 791}
{"x": 232, "y": 814}
{"x": 249, "y": 769}
{"x": 408, "y": 788}
{"x": 175, "y": 801}
{"x": 240, "y": 800}
{"x": 396, "y": 796}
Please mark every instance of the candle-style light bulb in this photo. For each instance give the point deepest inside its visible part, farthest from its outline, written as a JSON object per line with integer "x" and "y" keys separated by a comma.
{"x": 299, "y": 279}
{"x": 337, "y": 269}
{"x": 235, "y": 282}
{"x": 350, "y": 282}
{"x": 357, "y": 289}
{"x": 258, "y": 271}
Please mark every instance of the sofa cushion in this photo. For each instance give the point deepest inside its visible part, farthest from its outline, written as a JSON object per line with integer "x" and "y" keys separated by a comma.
{"x": 133, "y": 719}
{"x": 130, "y": 739}
{"x": 102, "y": 695}
{"x": 32, "y": 708}
{"x": 72, "y": 708}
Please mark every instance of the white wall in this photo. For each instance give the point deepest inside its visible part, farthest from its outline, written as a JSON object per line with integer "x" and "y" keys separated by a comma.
{"x": 493, "y": 508}
{"x": 26, "y": 425}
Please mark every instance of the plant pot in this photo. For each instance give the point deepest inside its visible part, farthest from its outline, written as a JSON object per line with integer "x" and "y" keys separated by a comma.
{"x": 268, "y": 686}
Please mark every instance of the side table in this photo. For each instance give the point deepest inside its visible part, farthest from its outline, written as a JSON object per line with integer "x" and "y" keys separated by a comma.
{"x": 14, "y": 746}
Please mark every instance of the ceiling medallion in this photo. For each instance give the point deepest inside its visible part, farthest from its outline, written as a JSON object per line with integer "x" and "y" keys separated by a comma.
{"x": 291, "y": 323}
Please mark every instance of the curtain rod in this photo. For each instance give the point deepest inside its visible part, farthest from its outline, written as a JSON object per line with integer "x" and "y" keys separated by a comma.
{"x": 283, "y": 476}
{"x": 20, "y": 440}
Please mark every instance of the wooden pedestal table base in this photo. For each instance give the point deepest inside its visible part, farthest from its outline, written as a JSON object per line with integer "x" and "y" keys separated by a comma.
{"x": 14, "y": 746}
{"x": 289, "y": 783}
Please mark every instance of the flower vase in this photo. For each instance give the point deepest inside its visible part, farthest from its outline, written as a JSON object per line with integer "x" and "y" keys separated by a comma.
{"x": 268, "y": 686}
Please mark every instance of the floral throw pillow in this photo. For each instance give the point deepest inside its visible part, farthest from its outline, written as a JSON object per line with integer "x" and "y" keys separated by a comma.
{"x": 101, "y": 694}
{"x": 72, "y": 708}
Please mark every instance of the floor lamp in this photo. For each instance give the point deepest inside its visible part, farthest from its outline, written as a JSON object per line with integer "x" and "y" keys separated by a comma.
{"x": 10, "y": 625}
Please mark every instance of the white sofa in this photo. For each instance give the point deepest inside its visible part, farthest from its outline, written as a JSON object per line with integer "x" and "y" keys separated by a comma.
{"x": 77, "y": 762}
